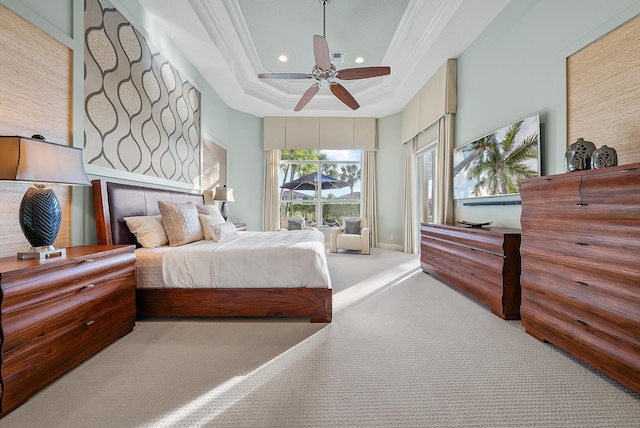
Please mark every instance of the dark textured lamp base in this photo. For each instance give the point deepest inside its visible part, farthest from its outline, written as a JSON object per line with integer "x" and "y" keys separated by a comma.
{"x": 224, "y": 210}
{"x": 40, "y": 218}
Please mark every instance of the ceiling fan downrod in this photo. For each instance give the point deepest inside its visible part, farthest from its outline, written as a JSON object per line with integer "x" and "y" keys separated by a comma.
{"x": 324, "y": 16}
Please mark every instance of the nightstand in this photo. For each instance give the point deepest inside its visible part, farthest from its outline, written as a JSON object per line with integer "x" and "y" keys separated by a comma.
{"x": 59, "y": 311}
{"x": 240, "y": 226}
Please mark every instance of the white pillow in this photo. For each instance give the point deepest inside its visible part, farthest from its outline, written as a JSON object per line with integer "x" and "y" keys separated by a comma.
{"x": 222, "y": 230}
{"x": 212, "y": 211}
{"x": 209, "y": 220}
{"x": 148, "y": 230}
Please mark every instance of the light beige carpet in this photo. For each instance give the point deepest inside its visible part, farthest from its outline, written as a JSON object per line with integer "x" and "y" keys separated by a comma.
{"x": 403, "y": 350}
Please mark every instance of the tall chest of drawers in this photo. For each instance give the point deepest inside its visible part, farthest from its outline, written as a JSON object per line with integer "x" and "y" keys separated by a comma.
{"x": 581, "y": 266}
{"x": 57, "y": 312}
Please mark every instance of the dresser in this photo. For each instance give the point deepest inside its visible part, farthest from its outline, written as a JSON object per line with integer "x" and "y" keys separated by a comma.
{"x": 581, "y": 266}
{"x": 57, "y": 312}
{"x": 483, "y": 263}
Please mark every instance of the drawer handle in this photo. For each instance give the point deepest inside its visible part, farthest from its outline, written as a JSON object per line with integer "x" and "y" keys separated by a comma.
{"x": 582, "y": 323}
{"x": 87, "y": 261}
{"x": 582, "y": 283}
{"x": 582, "y": 205}
{"x": 87, "y": 286}
{"x": 582, "y": 244}
{"x": 547, "y": 179}
{"x": 88, "y": 323}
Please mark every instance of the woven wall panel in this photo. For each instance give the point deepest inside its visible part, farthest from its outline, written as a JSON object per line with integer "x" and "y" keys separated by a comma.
{"x": 35, "y": 98}
{"x": 603, "y": 92}
{"x": 141, "y": 115}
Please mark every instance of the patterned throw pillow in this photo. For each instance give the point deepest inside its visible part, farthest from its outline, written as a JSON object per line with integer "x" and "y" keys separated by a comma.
{"x": 222, "y": 230}
{"x": 148, "y": 230}
{"x": 181, "y": 222}
{"x": 296, "y": 224}
{"x": 352, "y": 227}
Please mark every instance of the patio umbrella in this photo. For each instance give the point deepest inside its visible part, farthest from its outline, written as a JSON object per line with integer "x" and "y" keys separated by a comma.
{"x": 309, "y": 182}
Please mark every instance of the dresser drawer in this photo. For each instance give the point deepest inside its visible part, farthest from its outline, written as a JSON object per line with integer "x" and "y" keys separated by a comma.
{"x": 618, "y": 283}
{"x": 50, "y": 356}
{"x": 566, "y": 190}
{"x": 477, "y": 287}
{"x": 434, "y": 257}
{"x": 435, "y": 231}
{"x": 28, "y": 323}
{"x": 594, "y": 260}
{"x": 611, "y": 355}
{"x": 616, "y": 315}
{"x": 478, "y": 239}
{"x": 22, "y": 291}
{"x": 594, "y": 224}
{"x": 611, "y": 187}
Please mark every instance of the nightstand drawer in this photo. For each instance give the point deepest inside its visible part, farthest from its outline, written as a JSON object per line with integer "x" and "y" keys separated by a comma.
{"x": 48, "y": 356}
{"x": 31, "y": 322}
{"x": 24, "y": 291}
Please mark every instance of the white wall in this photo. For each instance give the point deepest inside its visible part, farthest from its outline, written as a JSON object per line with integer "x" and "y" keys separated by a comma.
{"x": 516, "y": 67}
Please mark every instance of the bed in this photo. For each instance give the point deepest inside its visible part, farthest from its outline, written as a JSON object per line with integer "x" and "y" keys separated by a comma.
{"x": 114, "y": 201}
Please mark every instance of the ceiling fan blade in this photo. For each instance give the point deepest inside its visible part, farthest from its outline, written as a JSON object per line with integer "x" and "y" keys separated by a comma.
{"x": 285, "y": 76}
{"x": 321, "y": 53}
{"x": 306, "y": 97}
{"x": 344, "y": 95}
{"x": 363, "y": 72}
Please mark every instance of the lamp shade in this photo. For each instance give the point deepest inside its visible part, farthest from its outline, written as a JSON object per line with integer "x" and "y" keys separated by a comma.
{"x": 223, "y": 194}
{"x": 37, "y": 161}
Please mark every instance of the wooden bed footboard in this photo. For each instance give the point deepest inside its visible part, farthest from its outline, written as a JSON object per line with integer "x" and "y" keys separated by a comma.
{"x": 235, "y": 302}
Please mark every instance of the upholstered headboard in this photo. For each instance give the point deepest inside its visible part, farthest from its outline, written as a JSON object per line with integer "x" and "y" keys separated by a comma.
{"x": 114, "y": 201}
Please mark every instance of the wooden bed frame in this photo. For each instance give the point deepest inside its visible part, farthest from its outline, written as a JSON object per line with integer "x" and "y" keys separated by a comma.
{"x": 113, "y": 201}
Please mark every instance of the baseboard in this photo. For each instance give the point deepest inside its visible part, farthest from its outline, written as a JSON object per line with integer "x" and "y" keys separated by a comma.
{"x": 394, "y": 247}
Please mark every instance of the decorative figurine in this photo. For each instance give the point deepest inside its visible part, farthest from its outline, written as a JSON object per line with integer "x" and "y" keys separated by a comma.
{"x": 578, "y": 155}
{"x": 604, "y": 157}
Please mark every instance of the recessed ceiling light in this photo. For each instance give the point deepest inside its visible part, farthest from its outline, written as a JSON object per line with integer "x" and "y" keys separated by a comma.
{"x": 282, "y": 58}
{"x": 359, "y": 60}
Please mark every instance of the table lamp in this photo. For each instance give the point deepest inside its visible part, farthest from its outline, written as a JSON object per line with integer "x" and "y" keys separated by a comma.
{"x": 223, "y": 194}
{"x": 37, "y": 161}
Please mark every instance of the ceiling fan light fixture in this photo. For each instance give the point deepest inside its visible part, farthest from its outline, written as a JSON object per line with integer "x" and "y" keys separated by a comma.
{"x": 325, "y": 72}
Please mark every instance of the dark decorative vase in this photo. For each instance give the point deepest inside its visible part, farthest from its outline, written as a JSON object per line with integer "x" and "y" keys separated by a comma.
{"x": 40, "y": 216}
{"x": 578, "y": 155}
{"x": 604, "y": 157}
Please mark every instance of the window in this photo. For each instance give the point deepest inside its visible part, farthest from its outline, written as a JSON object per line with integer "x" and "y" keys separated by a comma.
{"x": 336, "y": 173}
{"x": 426, "y": 175}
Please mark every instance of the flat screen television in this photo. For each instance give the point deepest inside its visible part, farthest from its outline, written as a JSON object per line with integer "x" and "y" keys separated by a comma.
{"x": 496, "y": 163}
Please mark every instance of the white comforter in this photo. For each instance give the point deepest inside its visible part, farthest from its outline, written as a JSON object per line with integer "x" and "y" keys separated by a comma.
{"x": 250, "y": 260}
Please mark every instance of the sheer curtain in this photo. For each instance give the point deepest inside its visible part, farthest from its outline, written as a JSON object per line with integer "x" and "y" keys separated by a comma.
{"x": 443, "y": 203}
{"x": 368, "y": 205}
{"x": 410, "y": 218}
{"x": 271, "y": 205}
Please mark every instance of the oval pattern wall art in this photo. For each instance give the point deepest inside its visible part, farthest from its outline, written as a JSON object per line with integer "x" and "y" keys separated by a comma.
{"x": 141, "y": 115}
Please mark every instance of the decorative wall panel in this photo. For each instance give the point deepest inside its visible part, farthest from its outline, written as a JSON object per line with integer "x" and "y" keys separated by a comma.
{"x": 35, "y": 98}
{"x": 603, "y": 92}
{"x": 141, "y": 115}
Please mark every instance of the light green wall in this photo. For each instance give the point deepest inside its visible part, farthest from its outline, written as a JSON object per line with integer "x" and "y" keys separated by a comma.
{"x": 245, "y": 169}
{"x": 517, "y": 67}
{"x": 390, "y": 180}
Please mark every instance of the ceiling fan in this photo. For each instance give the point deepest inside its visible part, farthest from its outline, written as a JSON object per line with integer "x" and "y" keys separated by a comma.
{"x": 325, "y": 72}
